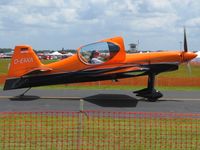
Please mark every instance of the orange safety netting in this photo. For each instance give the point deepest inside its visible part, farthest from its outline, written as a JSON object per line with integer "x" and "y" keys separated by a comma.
{"x": 89, "y": 130}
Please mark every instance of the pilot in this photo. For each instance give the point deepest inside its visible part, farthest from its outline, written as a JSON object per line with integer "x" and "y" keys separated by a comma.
{"x": 94, "y": 58}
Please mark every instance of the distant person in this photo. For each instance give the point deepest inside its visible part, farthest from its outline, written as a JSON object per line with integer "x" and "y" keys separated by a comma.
{"x": 94, "y": 58}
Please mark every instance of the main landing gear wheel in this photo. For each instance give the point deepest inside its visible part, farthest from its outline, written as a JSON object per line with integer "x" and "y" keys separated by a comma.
{"x": 150, "y": 92}
{"x": 151, "y": 96}
{"x": 154, "y": 96}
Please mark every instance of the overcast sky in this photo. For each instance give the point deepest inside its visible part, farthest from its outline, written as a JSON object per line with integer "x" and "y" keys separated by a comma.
{"x": 53, "y": 24}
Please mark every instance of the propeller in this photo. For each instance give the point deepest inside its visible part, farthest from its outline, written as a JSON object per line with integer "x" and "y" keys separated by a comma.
{"x": 187, "y": 56}
{"x": 185, "y": 41}
{"x": 189, "y": 68}
{"x": 186, "y": 50}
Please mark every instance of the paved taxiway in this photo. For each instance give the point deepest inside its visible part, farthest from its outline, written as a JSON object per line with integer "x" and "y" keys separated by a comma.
{"x": 108, "y": 100}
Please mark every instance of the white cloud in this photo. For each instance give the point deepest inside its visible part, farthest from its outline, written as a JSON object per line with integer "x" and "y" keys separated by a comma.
{"x": 158, "y": 5}
{"x": 39, "y": 3}
{"x": 194, "y": 22}
{"x": 154, "y": 21}
{"x": 93, "y": 19}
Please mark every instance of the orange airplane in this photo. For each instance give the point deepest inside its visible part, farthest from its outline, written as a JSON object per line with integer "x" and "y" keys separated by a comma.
{"x": 103, "y": 60}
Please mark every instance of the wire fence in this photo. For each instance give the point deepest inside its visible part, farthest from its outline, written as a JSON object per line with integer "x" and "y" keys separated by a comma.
{"x": 90, "y": 130}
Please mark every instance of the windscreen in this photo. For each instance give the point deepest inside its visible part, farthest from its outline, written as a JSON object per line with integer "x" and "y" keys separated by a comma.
{"x": 99, "y": 52}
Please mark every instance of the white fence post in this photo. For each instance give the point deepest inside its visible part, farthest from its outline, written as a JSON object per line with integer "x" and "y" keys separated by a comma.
{"x": 80, "y": 123}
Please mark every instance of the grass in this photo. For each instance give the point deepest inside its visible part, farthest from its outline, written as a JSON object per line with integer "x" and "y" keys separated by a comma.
{"x": 183, "y": 71}
{"x": 4, "y": 63}
{"x": 98, "y": 131}
{"x": 110, "y": 87}
{"x": 105, "y": 87}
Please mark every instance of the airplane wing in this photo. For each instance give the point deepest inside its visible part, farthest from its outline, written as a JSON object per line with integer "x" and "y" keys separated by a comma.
{"x": 161, "y": 67}
{"x": 36, "y": 77}
{"x": 131, "y": 69}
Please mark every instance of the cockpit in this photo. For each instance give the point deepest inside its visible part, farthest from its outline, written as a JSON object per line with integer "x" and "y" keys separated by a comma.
{"x": 98, "y": 53}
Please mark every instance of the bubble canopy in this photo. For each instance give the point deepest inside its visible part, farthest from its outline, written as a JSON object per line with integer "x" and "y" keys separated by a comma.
{"x": 99, "y": 52}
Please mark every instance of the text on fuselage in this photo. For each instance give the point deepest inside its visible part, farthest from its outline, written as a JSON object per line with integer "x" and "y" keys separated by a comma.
{"x": 23, "y": 60}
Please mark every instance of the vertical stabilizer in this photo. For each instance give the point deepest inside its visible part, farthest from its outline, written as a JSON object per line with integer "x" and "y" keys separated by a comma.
{"x": 23, "y": 60}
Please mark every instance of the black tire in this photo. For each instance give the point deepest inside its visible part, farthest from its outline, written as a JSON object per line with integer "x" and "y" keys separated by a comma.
{"x": 155, "y": 96}
{"x": 152, "y": 99}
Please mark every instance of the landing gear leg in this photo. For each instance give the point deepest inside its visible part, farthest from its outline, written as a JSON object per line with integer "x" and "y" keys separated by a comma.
{"x": 150, "y": 92}
{"x": 154, "y": 95}
{"x": 21, "y": 95}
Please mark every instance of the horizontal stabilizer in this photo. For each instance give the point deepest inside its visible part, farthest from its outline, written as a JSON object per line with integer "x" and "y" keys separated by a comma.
{"x": 38, "y": 71}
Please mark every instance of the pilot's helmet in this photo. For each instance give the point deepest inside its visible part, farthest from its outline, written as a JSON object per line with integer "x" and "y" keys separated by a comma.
{"x": 96, "y": 53}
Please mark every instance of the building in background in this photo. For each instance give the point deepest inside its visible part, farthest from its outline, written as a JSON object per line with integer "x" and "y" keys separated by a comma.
{"x": 133, "y": 48}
